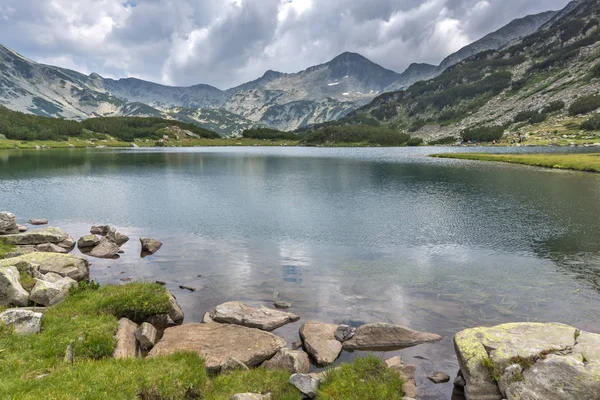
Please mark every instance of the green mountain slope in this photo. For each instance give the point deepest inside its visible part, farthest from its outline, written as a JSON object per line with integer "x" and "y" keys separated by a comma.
{"x": 515, "y": 87}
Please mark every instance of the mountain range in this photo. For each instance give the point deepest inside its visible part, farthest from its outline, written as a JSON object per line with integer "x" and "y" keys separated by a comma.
{"x": 321, "y": 93}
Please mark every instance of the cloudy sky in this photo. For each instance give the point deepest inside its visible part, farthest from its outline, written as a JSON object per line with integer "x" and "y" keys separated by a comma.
{"x": 227, "y": 42}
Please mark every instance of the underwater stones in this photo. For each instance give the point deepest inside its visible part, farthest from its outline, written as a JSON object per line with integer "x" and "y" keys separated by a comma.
{"x": 439, "y": 377}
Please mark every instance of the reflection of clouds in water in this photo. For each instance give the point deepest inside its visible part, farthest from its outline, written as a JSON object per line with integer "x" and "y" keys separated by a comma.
{"x": 295, "y": 261}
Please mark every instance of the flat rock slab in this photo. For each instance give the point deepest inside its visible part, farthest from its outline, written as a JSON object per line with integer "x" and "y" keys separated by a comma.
{"x": 38, "y": 236}
{"x": 533, "y": 361}
{"x": 38, "y": 221}
{"x": 320, "y": 342}
{"x": 387, "y": 337}
{"x": 238, "y": 313}
{"x": 24, "y": 322}
{"x": 217, "y": 343}
{"x": 74, "y": 267}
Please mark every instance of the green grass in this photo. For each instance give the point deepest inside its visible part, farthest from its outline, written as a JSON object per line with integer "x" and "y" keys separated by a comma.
{"x": 5, "y": 248}
{"x": 579, "y": 162}
{"x": 33, "y": 367}
{"x": 368, "y": 378}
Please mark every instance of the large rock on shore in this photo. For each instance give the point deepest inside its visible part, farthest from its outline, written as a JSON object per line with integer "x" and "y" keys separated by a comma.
{"x": 8, "y": 223}
{"x": 41, "y": 236}
{"x": 74, "y": 267}
{"x": 386, "y": 337}
{"x": 48, "y": 293}
{"x": 292, "y": 361}
{"x": 236, "y": 312}
{"x": 320, "y": 342}
{"x": 126, "y": 341}
{"x": 217, "y": 343}
{"x": 24, "y": 322}
{"x": 11, "y": 291}
{"x": 529, "y": 361}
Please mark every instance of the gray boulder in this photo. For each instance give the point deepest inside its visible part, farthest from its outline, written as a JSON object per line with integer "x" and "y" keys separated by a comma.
{"x": 217, "y": 343}
{"x": 50, "y": 293}
{"x": 40, "y": 236}
{"x": 385, "y": 337}
{"x": 306, "y": 384}
{"x": 24, "y": 322}
{"x": 8, "y": 223}
{"x": 292, "y": 361}
{"x": 69, "y": 265}
{"x": 236, "y": 312}
{"x": 51, "y": 248}
{"x": 22, "y": 228}
{"x": 106, "y": 248}
{"x": 150, "y": 246}
{"x": 85, "y": 243}
{"x": 11, "y": 291}
{"x": 101, "y": 230}
{"x": 146, "y": 335}
{"x": 126, "y": 342}
{"x": 530, "y": 361}
{"x": 116, "y": 237}
{"x": 439, "y": 377}
{"x": 320, "y": 342}
{"x": 344, "y": 333}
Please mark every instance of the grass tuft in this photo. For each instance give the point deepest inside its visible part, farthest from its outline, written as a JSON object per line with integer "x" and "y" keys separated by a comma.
{"x": 367, "y": 378}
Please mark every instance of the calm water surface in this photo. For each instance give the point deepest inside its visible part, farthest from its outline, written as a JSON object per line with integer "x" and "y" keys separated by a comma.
{"x": 347, "y": 235}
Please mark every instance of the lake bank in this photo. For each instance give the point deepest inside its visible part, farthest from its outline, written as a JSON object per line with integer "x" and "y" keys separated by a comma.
{"x": 576, "y": 162}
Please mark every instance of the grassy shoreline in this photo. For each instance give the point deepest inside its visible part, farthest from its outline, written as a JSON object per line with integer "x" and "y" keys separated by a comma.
{"x": 33, "y": 367}
{"x": 578, "y": 162}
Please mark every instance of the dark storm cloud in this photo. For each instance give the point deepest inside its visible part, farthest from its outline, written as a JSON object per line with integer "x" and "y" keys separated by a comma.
{"x": 227, "y": 42}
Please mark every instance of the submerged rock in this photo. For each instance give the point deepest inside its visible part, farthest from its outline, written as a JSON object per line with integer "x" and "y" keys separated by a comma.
{"x": 292, "y": 361}
{"x": 149, "y": 246}
{"x": 384, "y": 337}
{"x": 38, "y": 222}
{"x": 24, "y": 322}
{"x": 69, "y": 265}
{"x": 530, "y": 361}
{"x": 11, "y": 291}
{"x": 320, "y": 342}
{"x": 236, "y": 312}
{"x": 217, "y": 343}
{"x": 439, "y": 377}
{"x": 126, "y": 342}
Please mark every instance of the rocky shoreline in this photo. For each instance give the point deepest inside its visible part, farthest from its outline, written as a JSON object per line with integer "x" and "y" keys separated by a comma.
{"x": 510, "y": 361}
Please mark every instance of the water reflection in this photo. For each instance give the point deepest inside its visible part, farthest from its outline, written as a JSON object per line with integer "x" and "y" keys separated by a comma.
{"x": 347, "y": 235}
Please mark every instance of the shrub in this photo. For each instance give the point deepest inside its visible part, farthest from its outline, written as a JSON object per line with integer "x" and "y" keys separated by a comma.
{"x": 592, "y": 124}
{"x": 533, "y": 117}
{"x": 596, "y": 71}
{"x": 269, "y": 134}
{"x": 444, "y": 140}
{"x": 483, "y": 134}
{"x": 414, "y": 142}
{"x": 357, "y": 134}
{"x": 585, "y": 105}
{"x": 554, "y": 106}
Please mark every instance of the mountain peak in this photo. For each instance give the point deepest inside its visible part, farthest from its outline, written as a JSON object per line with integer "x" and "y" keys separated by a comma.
{"x": 350, "y": 57}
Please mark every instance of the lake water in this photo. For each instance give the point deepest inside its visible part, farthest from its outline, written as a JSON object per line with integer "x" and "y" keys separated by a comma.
{"x": 347, "y": 235}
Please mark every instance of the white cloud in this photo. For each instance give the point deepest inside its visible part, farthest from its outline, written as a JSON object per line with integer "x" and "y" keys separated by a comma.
{"x": 228, "y": 42}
